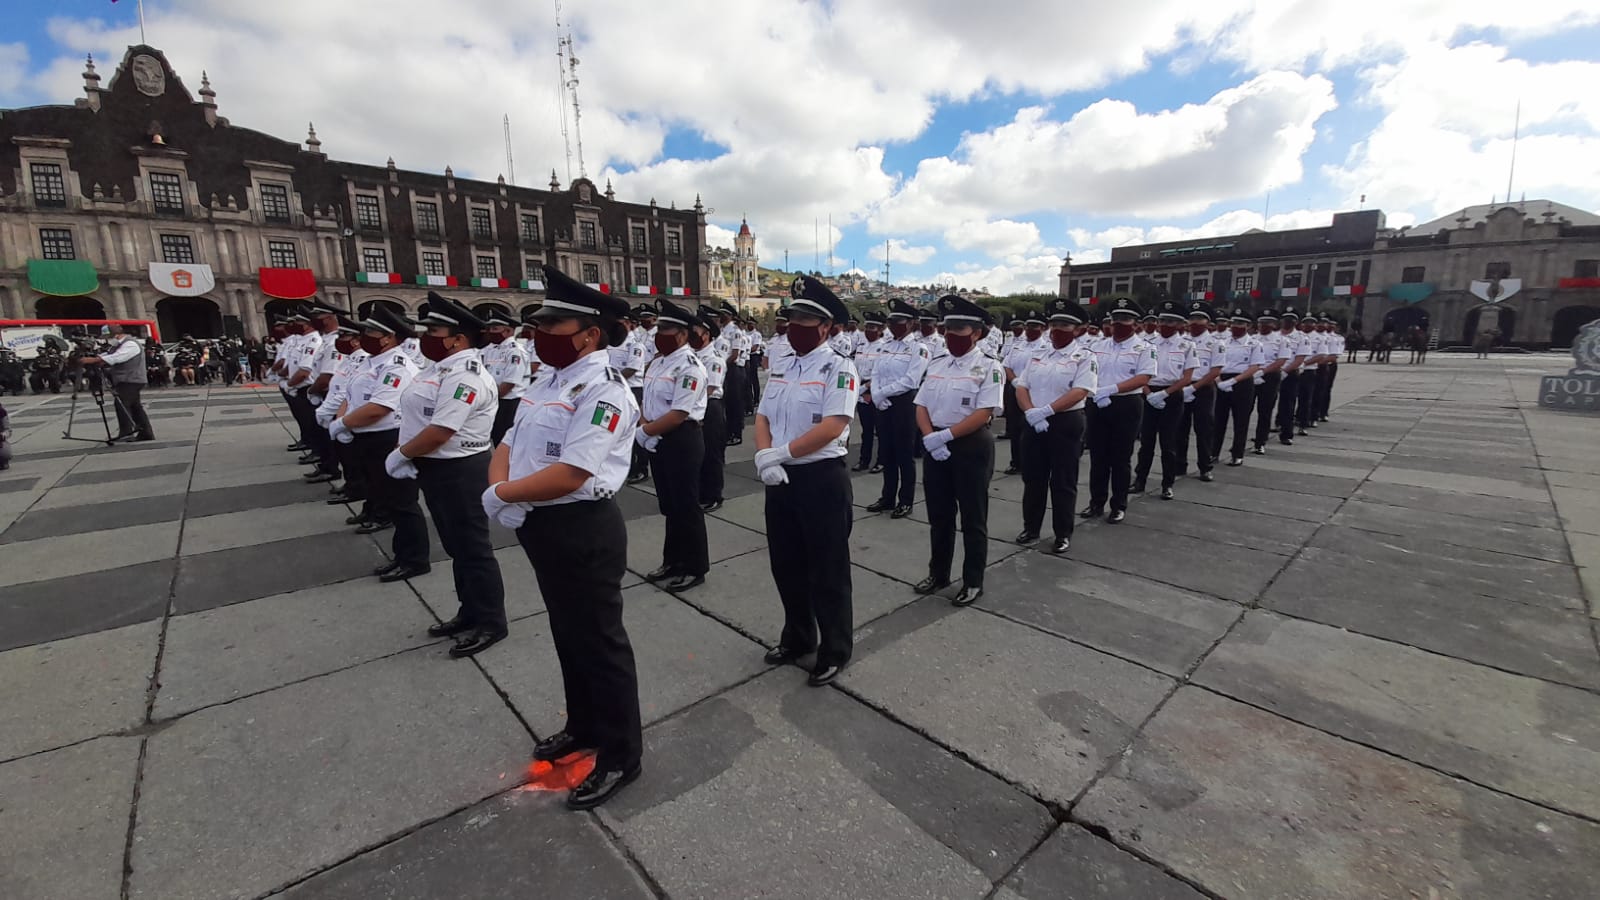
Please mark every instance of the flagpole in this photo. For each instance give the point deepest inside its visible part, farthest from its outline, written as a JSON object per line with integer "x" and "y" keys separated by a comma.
{"x": 141, "y": 21}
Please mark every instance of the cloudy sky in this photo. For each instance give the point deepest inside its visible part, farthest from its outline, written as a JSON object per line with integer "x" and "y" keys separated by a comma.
{"x": 972, "y": 143}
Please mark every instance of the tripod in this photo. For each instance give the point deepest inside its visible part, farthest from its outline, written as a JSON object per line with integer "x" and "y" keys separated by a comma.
{"x": 97, "y": 392}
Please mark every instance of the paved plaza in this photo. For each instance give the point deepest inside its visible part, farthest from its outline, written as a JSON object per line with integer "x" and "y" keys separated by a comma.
{"x": 1364, "y": 666}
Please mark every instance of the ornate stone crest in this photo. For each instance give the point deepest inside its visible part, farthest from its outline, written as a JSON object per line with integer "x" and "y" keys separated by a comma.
{"x": 1586, "y": 350}
{"x": 148, "y": 75}
{"x": 1579, "y": 389}
{"x": 1496, "y": 289}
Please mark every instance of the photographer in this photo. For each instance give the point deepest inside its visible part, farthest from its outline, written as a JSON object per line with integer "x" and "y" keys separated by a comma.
{"x": 126, "y": 365}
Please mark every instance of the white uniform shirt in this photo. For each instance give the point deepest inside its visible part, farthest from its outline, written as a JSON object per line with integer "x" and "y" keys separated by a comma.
{"x": 900, "y": 366}
{"x": 1335, "y": 344}
{"x": 1023, "y": 351}
{"x": 584, "y": 416}
{"x": 629, "y": 355}
{"x": 740, "y": 344}
{"x": 339, "y": 386}
{"x": 1174, "y": 356}
{"x": 381, "y": 380}
{"x": 1294, "y": 344}
{"x": 328, "y": 356}
{"x": 957, "y": 386}
{"x": 866, "y": 358}
{"x": 778, "y": 348}
{"x": 457, "y": 393}
{"x": 804, "y": 390}
{"x": 758, "y": 344}
{"x": 304, "y": 358}
{"x": 1272, "y": 347}
{"x": 1311, "y": 346}
{"x": 1116, "y": 363}
{"x": 1055, "y": 373}
{"x": 507, "y": 364}
{"x": 1238, "y": 354}
{"x": 842, "y": 344}
{"x": 716, "y": 370}
{"x": 676, "y": 381}
{"x": 412, "y": 347}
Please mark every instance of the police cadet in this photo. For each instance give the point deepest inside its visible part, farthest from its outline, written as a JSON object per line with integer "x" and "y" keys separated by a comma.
{"x": 351, "y": 358}
{"x": 896, "y": 375}
{"x": 779, "y": 346}
{"x": 1052, "y": 390}
{"x": 734, "y": 392}
{"x": 1333, "y": 351}
{"x": 752, "y": 369}
{"x": 928, "y": 333}
{"x": 1031, "y": 346}
{"x": 1268, "y": 381}
{"x": 630, "y": 357}
{"x": 1242, "y": 356}
{"x": 554, "y": 479}
{"x": 297, "y": 364}
{"x": 368, "y": 421}
{"x": 802, "y": 439}
{"x": 1294, "y": 349}
{"x": 958, "y": 399}
{"x": 1175, "y": 363}
{"x": 446, "y": 414}
{"x": 703, "y": 336}
{"x": 669, "y": 429}
{"x": 1124, "y": 363}
{"x": 1200, "y": 396}
{"x": 507, "y": 366}
{"x": 865, "y": 360}
{"x": 1310, "y": 374}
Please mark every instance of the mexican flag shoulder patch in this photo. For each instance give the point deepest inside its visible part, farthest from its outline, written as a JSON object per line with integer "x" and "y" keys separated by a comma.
{"x": 391, "y": 380}
{"x": 690, "y": 382}
{"x": 465, "y": 394}
{"x": 606, "y": 416}
{"x": 846, "y": 383}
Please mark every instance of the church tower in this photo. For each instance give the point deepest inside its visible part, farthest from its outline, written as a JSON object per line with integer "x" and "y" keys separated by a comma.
{"x": 746, "y": 280}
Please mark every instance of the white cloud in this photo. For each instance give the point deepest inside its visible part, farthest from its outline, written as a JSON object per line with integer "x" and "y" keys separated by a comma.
{"x": 717, "y": 236}
{"x": 1033, "y": 274}
{"x": 1232, "y": 222}
{"x": 13, "y": 68}
{"x": 997, "y": 238}
{"x": 897, "y": 251}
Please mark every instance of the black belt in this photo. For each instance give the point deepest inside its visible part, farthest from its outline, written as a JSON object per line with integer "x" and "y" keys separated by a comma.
{"x": 1230, "y": 374}
{"x": 1164, "y": 386}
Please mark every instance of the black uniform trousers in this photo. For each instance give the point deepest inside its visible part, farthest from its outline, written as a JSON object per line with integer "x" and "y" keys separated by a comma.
{"x": 355, "y": 475}
{"x": 1016, "y": 424}
{"x": 640, "y": 463}
{"x": 715, "y": 428}
{"x": 505, "y": 416}
{"x": 453, "y": 489}
{"x": 579, "y": 553}
{"x": 1326, "y": 374}
{"x": 1160, "y": 426}
{"x": 897, "y": 437}
{"x": 1235, "y": 405}
{"x": 320, "y": 441}
{"x": 1050, "y": 466}
{"x": 867, "y": 415}
{"x": 393, "y": 499}
{"x": 675, "y": 468}
{"x": 1303, "y": 415}
{"x": 131, "y": 417}
{"x": 300, "y": 408}
{"x": 808, "y": 545}
{"x": 960, "y": 485}
{"x": 752, "y": 378}
{"x": 733, "y": 401}
{"x": 1112, "y": 431}
{"x": 1266, "y": 399}
{"x": 1199, "y": 417}
{"x": 1288, "y": 400}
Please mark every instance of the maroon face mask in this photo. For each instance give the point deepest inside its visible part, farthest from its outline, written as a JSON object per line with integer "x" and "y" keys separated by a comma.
{"x": 433, "y": 347}
{"x": 782, "y": 327}
{"x": 927, "y": 330}
{"x": 899, "y": 328}
{"x": 1121, "y": 331}
{"x": 493, "y": 337}
{"x": 1239, "y": 331}
{"x": 346, "y": 345}
{"x": 667, "y": 344}
{"x": 805, "y": 340}
{"x": 373, "y": 345}
{"x": 1167, "y": 329}
{"x": 1060, "y": 338}
{"x": 958, "y": 344}
{"x": 1033, "y": 332}
{"x": 555, "y": 350}
{"x": 1197, "y": 328}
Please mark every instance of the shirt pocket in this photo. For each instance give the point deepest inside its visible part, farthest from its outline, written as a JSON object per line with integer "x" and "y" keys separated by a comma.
{"x": 550, "y": 423}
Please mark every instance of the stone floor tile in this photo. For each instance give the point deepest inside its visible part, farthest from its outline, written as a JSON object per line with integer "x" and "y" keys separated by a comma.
{"x": 64, "y": 820}
{"x": 1073, "y": 864}
{"x": 75, "y": 688}
{"x": 42, "y": 559}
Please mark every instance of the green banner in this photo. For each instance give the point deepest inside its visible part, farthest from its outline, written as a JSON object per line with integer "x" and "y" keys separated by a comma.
{"x": 63, "y": 277}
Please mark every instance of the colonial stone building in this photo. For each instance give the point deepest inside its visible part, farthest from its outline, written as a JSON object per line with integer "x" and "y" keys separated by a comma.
{"x": 140, "y": 201}
{"x": 1530, "y": 272}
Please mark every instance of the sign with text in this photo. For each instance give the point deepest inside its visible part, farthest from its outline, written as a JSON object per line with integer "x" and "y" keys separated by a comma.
{"x": 1579, "y": 389}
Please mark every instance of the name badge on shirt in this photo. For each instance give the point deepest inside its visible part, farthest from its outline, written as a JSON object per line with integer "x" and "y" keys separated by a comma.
{"x": 427, "y": 410}
{"x": 552, "y": 449}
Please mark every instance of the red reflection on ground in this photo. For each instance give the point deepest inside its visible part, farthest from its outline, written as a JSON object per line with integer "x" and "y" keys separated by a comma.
{"x": 564, "y": 774}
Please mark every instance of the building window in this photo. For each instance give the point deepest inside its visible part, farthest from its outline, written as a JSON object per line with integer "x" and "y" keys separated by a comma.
{"x": 1086, "y": 289}
{"x": 367, "y": 213}
{"x": 586, "y": 238}
{"x": 1586, "y": 268}
{"x": 1144, "y": 254}
{"x": 1497, "y": 270}
{"x": 1345, "y": 264}
{"x": 432, "y": 262}
{"x": 1413, "y": 274}
{"x": 177, "y": 248}
{"x": 1292, "y": 279}
{"x": 57, "y": 243}
{"x": 1344, "y": 277}
{"x": 591, "y": 273}
{"x": 481, "y": 227}
{"x": 274, "y": 203}
{"x": 166, "y": 192}
{"x": 486, "y": 267}
{"x": 374, "y": 259}
{"x": 675, "y": 244}
{"x": 48, "y": 187}
{"x": 641, "y": 275}
{"x": 639, "y": 243}
{"x": 1244, "y": 282}
{"x": 674, "y": 278}
{"x": 534, "y": 268}
{"x": 427, "y": 217}
{"x": 282, "y": 255}
{"x": 530, "y": 227}
{"x": 1200, "y": 283}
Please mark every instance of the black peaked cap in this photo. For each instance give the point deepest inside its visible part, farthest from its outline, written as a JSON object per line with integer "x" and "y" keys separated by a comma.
{"x": 807, "y": 294}
{"x": 960, "y": 309}
{"x": 566, "y": 297}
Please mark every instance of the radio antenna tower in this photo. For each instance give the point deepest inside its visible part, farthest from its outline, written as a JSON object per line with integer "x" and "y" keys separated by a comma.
{"x": 568, "y": 61}
{"x": 511, "y": 167}
{"x": 561, "y": 91}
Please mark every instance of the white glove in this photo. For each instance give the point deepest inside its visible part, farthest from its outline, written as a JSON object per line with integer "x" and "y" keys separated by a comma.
{"x": 647, "y": 441}
{"x": 1102, "y": 392}
{"x": 1041, "y": 426}
{"x": 1259, "y": 378}
{"x": 313, "y": 399}
{"x": 773, "y": 476}
{"x": 882, "y": 403}
{"x": 1188, "y": 394}
{"x": 511, "y": 517}
{"x": 1038, "y": 414}
{"x": 1102, "y": 402}
{"x": 492, "y": 504}
{"x": 937, "y": 439}
{"x": 1225, "y": 385}
{"x": 773, "y": 457}
{"x": 398, "y": 465}
{"x": 1156, "y": 399}
{"x": 940, "y": 453}
{"x": 340, "y": 431}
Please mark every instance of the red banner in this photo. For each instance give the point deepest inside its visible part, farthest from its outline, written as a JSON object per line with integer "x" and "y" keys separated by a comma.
{"x": 288, "y": 284}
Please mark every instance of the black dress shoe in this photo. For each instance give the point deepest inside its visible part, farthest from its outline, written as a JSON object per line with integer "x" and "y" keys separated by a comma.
{"x": 296, "y": 446}
{"x": 1286, "y": 442}
{"x": 340, "y": 500}
{"x": 476, "y": 642}
{"x": 1260, "y": 450}
{"x": 967, "y": 596}
{"x": 781, "y": 655}
{"x": 319, "y": 477}
{"x": 1301, "y": 433}
{"x": 1207, "y": 476}
{"x": 387, "y": 567}
{"x": 1027, "y": 537}
{"x": 931, "y": 584}
{"x": 824, "y": 674}
{"x": 683, "y": 582}
{"x": 900, "y": 512}
{"x": 1235, "y": 460}
{"x": 1116, "y": 516}
{"x": 357, "y": 519}
{"x": 1137, "y": 488}
{"x": 875, "y": 470}
{"x": 859, "y": 467}
{"x": 1061, "y": 545}
{"x": 1011, "y": 469}
{"x": 711, "y": 507}
{"x": 1091, "y": 512}
{"x": 402, "y": 572}
{"x": 658, "y": 574}
{"x": 878, "y": 506}
{"x": 1166, "y": 493}
{"x": 599, "y": 786}
{"x": 308, "y": 459}
{"x": 637, "y": 477}
{"x": 556, "y": 746}
{"x": 371, "y": 527}
{"x": 451, "y": 628}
